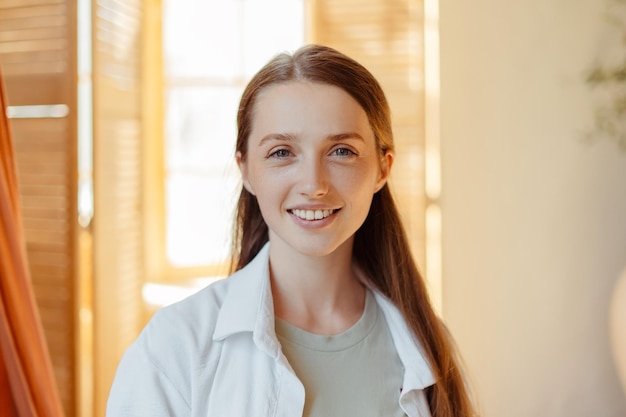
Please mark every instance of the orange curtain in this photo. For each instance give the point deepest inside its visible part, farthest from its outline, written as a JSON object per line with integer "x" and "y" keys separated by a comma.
{"x": 27, "y": 385}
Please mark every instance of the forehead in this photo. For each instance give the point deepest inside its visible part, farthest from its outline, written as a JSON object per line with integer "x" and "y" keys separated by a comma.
{"x": 302, "y": 106}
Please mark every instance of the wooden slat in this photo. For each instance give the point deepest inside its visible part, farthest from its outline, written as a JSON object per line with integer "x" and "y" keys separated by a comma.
{"x": 44, "y": 236}
{"x": 43, "y": 11}
{"x": 47, "y": 299}
{"x": 30, "y": 126}
{"x": 32, "y": 34}
{"x": 57, "y": 204}
{"x": 25, "y": 68}
{"x": 49, "y": 88}
{"x": 33, "y": 57}
{"x": 6, "y": 4}
{"x": 50, "y": 259}
{"x": 35, "y": 45}
{"x": 33, "y": 22}
{"x": 41, "y": 179}
{"x": 44, "y": 145}
{"x": 49, "y": 168}
{"x": 49, "y": 296}
{"x": 44, "y": 190}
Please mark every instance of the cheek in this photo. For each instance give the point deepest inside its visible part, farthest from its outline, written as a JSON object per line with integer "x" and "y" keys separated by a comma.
{"x": 357, "y": 188}
{"x": 361, "y": 180}
{"x": 269, "y": 188}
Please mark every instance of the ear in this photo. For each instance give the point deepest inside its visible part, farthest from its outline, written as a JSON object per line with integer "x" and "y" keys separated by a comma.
{"x": 385, "y": 169}
{"x": 243, "y": 169}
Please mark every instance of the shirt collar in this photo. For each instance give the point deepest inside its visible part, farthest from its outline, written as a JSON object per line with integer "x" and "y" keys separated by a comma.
{"x": 248, "y": 305}
{"x": 418, "y": 373}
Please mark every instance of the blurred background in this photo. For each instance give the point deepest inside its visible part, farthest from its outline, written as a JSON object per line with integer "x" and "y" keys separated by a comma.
{"x": 510, "y": 171}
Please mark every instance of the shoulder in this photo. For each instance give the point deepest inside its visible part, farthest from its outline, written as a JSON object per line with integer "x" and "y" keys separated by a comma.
{"x": 205, "y": 301}
{"x": 178, "y": 338}
{"x": 157, "y": 371}
{"x": 179, "y": 349}
{"x": 193, "y": 325}
{"x": 189, "y": 323}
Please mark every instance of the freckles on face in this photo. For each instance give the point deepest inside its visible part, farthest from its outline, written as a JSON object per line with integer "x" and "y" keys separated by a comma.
{"x": 312, "y": 163}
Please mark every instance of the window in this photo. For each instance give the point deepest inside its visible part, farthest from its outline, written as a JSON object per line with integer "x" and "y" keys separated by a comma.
{"x": 210, "y": 50}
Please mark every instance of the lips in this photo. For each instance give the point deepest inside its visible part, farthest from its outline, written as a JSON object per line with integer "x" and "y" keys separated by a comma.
{"x": 312, "y": 214}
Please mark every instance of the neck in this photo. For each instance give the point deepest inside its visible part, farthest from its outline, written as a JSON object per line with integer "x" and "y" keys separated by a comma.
{"x": 319, "y": 294}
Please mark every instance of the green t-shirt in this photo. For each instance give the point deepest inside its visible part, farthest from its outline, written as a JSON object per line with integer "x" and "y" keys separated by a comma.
{"x": 355, "y": 373}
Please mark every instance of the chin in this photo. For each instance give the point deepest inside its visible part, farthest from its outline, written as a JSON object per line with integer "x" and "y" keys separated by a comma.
{"x": 321, "y": 249}
{"x": 315, "y": 252}
{"x": 311, "y": 246}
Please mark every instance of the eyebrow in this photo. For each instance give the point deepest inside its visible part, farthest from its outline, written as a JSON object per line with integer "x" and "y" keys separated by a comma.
{"x": 288, "y": 137}
{"x": 347, "y": 135}
{"x": 278, "y": 136}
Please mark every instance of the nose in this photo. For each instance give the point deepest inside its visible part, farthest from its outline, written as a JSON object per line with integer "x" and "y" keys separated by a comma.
{"x": 313, "y": 178}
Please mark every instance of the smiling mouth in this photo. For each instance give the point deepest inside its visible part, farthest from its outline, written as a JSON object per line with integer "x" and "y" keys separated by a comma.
{"x": 312, "y": 214}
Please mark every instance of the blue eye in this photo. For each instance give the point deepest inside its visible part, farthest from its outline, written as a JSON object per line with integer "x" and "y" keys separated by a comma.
{"x": 280, "y": 153}
{"x": 343, "y": 152}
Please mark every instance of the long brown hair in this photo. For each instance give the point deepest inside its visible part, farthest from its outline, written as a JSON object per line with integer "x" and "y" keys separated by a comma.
{"x": 381, "y": 247}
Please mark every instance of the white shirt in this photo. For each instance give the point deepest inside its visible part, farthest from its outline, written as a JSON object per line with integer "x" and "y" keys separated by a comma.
{"x": 216, "y": 354}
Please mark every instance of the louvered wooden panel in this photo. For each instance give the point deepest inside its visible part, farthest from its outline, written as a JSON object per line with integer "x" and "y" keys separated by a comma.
{"x": 118, "y": 187}
{"x": 36, "y": 54}
{"x": 385, "y": 36}
{"x": 34, "y": 37}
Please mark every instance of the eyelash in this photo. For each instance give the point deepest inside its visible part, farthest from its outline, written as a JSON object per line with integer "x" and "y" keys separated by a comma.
{"x": 280, "y": 154}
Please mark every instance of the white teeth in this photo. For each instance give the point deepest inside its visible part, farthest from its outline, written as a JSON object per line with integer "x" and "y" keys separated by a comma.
{"x": 312, "y": 214}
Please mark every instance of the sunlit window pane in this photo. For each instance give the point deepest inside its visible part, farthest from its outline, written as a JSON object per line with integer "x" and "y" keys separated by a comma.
{"x": 199, "y": 217}
{"x": 211, "y": 49}
{"x": 202, "y": 38}
{"x": 200, "y": 128}
{"x": 270, "y": 27}
{"x": 201, "y": 175}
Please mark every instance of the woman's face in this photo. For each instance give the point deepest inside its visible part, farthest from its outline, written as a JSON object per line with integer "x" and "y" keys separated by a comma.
{"x": 313, "y": 165}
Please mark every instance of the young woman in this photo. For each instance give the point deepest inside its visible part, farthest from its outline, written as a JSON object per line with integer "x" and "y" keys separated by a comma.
{"x": 325, "y": 313}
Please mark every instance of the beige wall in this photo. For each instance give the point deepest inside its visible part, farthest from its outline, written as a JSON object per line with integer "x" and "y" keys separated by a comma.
{"x": 534, "y": 219}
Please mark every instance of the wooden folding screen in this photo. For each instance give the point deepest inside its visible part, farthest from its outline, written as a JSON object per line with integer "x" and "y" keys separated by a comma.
{"x": 28, "y": 388}
{"x": 37, "y": 55}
